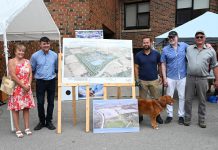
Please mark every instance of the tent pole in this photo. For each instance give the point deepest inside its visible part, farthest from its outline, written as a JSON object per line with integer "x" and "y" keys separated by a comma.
{"x": 6, "y": 51}
{"x": 60, "y": 46}
{"x": 6, "y": 63}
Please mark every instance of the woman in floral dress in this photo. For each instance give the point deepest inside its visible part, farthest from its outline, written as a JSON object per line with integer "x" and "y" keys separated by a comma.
{"x": 22, "y": 98}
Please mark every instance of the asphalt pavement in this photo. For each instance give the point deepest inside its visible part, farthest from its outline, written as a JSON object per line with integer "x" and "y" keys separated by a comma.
{"x": 169, "y": 136}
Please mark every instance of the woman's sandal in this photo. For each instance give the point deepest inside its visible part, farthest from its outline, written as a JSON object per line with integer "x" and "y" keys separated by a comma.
{"x": 19, "y": 134}
{"x": 28, "y": 132}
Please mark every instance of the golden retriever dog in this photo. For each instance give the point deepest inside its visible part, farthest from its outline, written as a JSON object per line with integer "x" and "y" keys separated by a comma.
{"x": 153, "y": 107}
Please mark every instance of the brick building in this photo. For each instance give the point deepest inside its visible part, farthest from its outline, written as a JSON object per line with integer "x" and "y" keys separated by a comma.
{"x": 120, "y": 19}
{"x": 161, "y": 15}
{"x": 126, "y": 19}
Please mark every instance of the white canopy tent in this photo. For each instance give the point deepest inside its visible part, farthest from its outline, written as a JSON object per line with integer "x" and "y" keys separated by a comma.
{"x": 207, "y": 22}
{"x": 24, "y": 20}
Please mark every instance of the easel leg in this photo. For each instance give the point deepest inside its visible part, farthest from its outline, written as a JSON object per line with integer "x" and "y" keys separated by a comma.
{"x": 105, "y": 92}
{"x": 59, "y": 93}
{"x": 133, "y": 92}
{"x": 118, "y": 92}
{"x": 74, "y": 105}
{"x": 59, "y": 111}
{"x": 87, "y": 109}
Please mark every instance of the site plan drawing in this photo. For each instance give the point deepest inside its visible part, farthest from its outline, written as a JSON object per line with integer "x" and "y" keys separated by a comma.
{"x": 97, "y": 61}
{"x": 120, "y": 115}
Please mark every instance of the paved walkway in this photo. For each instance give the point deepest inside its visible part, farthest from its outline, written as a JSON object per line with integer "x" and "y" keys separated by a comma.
{"x": 169, "y": 137}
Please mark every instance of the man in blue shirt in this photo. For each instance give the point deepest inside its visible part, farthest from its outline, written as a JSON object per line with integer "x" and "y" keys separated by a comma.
{"x": 147, "y": 67}
{"x": 174, "y": 73}
{"x": 44, "y": 65}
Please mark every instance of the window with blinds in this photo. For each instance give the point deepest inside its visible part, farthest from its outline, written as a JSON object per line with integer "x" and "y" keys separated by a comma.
{"x": 137, "y": 15}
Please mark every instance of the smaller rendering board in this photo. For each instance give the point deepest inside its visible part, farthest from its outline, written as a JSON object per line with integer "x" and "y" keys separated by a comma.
{"x": 117, "y": 115}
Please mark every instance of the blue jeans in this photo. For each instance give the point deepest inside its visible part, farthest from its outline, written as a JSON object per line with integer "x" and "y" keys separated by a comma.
{"x": 43, "y": 86}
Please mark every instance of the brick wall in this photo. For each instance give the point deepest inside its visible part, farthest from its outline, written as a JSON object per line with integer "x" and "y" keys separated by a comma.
{"x": 214, "y": 6}
{"x": 70, "y": 15}
{"x": 103, "y": 12}
{"x": 162, "y": 18}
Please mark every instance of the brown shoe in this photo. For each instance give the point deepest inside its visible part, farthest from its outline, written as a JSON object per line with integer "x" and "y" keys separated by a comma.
{"x": 202, "y": 124}
{"x": 187, "y": 122}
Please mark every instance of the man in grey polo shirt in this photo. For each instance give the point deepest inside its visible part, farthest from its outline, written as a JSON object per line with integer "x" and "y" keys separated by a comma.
{"x": 199, "y": 58}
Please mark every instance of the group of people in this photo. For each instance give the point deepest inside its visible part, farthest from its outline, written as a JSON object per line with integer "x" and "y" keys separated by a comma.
{"x": 180, "y": 67}
{"x": 43, "y": 64}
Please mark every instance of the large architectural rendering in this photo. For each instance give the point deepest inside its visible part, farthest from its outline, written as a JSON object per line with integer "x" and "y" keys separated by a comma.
{"x": 97, "y": 61}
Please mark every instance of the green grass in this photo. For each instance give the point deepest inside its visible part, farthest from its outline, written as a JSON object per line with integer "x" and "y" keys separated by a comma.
{"x": 115, "y": 124}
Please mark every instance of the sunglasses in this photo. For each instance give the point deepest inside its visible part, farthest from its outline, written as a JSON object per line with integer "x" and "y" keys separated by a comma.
{"x": 171, "y": 37}
{"x": 199, "y": 37}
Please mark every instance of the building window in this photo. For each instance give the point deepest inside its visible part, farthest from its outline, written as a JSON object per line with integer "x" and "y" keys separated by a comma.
{"x": 187, "y": 10}
{"x": 137, "y": 16}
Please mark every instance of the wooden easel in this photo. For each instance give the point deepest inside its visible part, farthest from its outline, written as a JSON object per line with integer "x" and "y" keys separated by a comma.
{"x": 60, "y": 84}
{"x": 119, "y": 85}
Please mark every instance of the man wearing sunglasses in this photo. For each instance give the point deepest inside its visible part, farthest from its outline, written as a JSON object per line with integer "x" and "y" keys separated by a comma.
{"x": 199, "y": 59}
{"x": 174, "y": 73}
